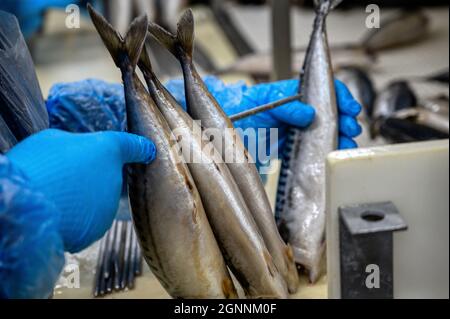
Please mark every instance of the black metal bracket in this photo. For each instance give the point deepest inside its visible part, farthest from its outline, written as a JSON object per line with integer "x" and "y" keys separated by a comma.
{"x": 366, "y": 250}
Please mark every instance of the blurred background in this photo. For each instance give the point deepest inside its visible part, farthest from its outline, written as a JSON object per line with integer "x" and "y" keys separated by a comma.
{"x": 404, "y": 62}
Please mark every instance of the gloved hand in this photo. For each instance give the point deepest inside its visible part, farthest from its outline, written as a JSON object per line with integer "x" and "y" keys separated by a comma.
{"x": 81, "y": 174}
{"x": 239, "y": 97}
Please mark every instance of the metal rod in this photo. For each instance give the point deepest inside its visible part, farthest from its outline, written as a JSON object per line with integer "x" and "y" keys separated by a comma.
{"x": 131, "y": 270}
{"x": 99, "y": 269}
{"x": 116, "y": 254}
{"x": 264, "y": 108}
{"x": 127, "y": 256}
{"x": 108, "y": 251}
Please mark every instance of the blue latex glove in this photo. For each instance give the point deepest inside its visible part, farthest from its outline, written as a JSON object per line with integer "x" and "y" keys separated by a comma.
{"x": 81, "y": 174}
{"x": 239, "y": 97}
{"x": 31, "y": 248}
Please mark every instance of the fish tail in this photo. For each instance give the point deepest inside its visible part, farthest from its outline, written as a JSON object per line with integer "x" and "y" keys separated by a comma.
{"x": 182, "y": 44}
{"x": 325, "y": 6}
{"x": 124, "y": 51}
{"x": 145, "y": 63}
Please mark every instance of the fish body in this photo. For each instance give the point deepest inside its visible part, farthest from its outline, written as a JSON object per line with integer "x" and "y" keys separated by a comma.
{"x": 400, "y": 29}
{"x": 232, "y": 222}
{"x": 360, "y": 85}
{"x": 260, "y": 65}
{"x": 403, "y": 28}
{"x": 301, "y": 191}
{"x": 396, "y": 96}
{"x": 398, "y": 130}
{"x": 426, "y": 118}
{"x": 203, "y": 106}
{"x": 442, "y": 77}
{"x": 438, "y": 105}
{"x": 177, "y": 241}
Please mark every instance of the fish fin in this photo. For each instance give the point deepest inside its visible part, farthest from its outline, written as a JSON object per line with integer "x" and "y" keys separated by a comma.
{"x": 110, "y": 37}
{"x": 289, "y": 253}
{"x": 118, "y": 47}
{"x": 185, "y": 32}
{"x": 145, "y": 62}
{"x": 228, "y": 289}
{"x": 135, "y": 39}
{"x": 325, "y": 6}
{"x": 269, "y": 263}
{"x": 183, "y": 42}
{"x": 167, "y": 39}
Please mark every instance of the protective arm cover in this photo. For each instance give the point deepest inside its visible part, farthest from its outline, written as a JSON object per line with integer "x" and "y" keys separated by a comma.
{"x": 31, "y": 248}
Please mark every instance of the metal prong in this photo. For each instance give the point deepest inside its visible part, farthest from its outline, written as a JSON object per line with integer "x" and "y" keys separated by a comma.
{"x": 99, "y": 270}
{"x": 264, "y": 108}
{"x": 107, "y": 270}
{"x": 116, "y": 254}
{"x": 131, "y": 271}
{"x": 127, "y": 255}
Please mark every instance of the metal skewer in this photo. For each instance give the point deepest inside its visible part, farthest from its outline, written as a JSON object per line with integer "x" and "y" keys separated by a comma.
{"x": 264, "y": 108}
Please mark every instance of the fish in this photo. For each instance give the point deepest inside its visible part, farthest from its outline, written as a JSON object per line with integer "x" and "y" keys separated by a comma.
{"x": 402, "y": 28}
{"x": 441, "y": 77}
{"x": 204, "y": 107}
{"x": 301, "y": 206}
{"x": 424, "y": 117}
{"x": 232, "y": 222}
{"x": 399, "y": 130}
{"x": 175, "y": 235}
{"x": 361, "y": 86}
{"x": 260, "y": 65}
{"x": 438, "y": 105}
{"x": 394, "y": 97}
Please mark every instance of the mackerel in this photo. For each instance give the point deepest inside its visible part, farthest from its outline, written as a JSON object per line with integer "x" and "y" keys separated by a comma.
{"x": 204, "y": 107}
{"x": 177, "y": 241}
{"x": 235, "y": 229}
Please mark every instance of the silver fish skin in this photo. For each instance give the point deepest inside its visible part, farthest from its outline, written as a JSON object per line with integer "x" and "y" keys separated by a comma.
{"x": 425, "y": 117}
{"x": 301, "y": 199}
{"x": 396, "y": 96}
{"x": 203, "y": 106}
{"x": 400, "y": 29}
{"x": 260, "y": 65}
{"x": 361, "y": 86}
{"x": 438, "y": 105}
{"x": 177, "y": 241}
{"x": 232, "y": 222}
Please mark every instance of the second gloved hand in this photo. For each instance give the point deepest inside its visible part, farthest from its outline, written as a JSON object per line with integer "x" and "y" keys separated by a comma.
{"x": 81, "y": 174}
{"x": 239, "y": 97}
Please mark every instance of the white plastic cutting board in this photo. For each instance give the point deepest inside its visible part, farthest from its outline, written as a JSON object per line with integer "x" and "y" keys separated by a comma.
{"x": 415, "y": 177}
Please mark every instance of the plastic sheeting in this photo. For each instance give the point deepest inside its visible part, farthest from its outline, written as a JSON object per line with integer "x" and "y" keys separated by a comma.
{"x": 7, "y": 139}
{"x": 87, "y": 106}
{"x": 31, "y": 249}
{"x": 22, "y": 106}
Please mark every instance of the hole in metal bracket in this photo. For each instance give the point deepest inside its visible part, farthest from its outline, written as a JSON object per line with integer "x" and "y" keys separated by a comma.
{"x": 372, "y": 216}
